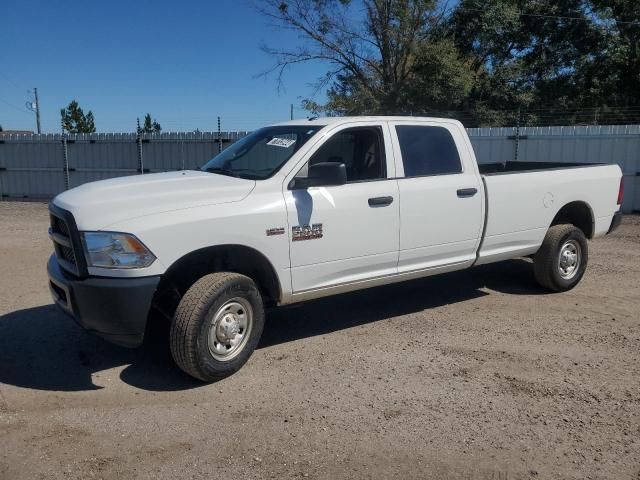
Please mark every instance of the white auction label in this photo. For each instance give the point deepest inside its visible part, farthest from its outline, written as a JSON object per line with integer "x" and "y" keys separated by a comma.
{"x": 281, "y": 142}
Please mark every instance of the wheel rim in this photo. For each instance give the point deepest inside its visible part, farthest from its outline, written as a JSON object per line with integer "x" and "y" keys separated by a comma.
{"x": 230, "y": 328}
{"x": 569, "y": 259}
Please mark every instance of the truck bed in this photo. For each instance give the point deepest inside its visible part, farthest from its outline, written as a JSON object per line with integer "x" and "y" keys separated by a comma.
{"x": 514, "y": 167}
{"x": 522, "y": 198}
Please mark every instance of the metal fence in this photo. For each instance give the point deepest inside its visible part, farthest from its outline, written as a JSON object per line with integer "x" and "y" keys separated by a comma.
{"x": 583, "y": 144}
{"x": 41, "y": 166}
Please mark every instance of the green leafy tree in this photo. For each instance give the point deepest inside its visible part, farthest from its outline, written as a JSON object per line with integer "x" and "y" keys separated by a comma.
{"x": 373, "y": 58}
{"x": 613, "y": 74}
{"x": 150, "y": 126}
{"x": 525, "y": 56}
{"x": 74, "y": 119}
{"x": 486, "y": 62}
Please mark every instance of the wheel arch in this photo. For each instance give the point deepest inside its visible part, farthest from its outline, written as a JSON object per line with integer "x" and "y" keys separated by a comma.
{"x": 577, "y": 213}
{"x": 248, "y": 261}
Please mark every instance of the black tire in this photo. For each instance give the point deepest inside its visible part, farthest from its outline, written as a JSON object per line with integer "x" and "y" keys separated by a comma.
{"x": 546, "y": 263}
{"x": 189, "y": 337}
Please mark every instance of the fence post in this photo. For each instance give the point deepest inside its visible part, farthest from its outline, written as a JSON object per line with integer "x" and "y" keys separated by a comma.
{"x": 1, "y": 187}
{"x": 517, "y": 136}
{"x": 181, "y": 136}
{"x": 65, "y": 157}
{"x": 139, "y": 142}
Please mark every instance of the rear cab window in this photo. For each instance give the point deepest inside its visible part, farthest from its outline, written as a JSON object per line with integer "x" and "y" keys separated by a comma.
{"x": 427, "y": 150}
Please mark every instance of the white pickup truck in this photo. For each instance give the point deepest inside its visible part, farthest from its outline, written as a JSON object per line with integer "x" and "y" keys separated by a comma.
{"x": 305, "y": 209}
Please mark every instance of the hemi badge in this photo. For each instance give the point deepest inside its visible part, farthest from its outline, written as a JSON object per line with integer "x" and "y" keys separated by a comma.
{"x": 275, "y": 231}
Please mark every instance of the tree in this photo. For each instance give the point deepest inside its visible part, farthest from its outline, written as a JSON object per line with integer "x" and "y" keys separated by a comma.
{"x": 74, "y": 119}
{"x": 526, "y": 56}
{"x": 614, "y": 73}
{"x": 373, "y": 59}
{"x": 562, "y": 62}
{"x": 150, "y": 126}
{"x": 486, "y": 62}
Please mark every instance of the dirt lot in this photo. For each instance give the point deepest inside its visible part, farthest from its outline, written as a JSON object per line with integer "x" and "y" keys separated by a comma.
{"x": 477, "y": 374}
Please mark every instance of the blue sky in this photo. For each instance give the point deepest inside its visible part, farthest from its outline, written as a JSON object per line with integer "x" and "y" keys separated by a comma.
{"x": 184, "y": 62}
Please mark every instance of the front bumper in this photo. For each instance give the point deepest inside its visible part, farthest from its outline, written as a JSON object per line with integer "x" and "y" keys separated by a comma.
{"x": 113, "y": 308}
{"x": 615, "y": 222}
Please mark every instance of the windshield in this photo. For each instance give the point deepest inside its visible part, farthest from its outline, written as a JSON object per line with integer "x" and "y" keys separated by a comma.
{"x": 261, "y": 154}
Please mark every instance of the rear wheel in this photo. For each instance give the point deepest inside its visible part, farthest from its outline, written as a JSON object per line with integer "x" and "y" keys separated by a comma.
{"x": 217, "y": 325}
{"x": 562, "y": 259}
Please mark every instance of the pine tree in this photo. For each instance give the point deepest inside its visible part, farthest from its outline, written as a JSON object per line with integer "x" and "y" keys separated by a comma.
{"x": 150, "y": 126}
{"x": 74, "y": 119}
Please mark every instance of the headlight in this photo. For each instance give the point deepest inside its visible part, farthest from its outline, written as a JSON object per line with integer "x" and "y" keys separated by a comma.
{"x": 115, "y": 250}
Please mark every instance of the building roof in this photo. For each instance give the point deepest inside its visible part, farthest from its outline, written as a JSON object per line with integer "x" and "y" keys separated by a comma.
{"x": 16, "y": 132}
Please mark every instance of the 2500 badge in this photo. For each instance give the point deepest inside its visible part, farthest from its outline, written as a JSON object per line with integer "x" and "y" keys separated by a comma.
{"x": 307, "y": 232}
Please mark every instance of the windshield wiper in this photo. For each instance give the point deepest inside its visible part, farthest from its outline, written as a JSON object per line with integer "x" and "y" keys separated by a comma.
{"x": 246, "y": 173}
{"x": 252, "y": 173}
{"x": 221, "y": 171}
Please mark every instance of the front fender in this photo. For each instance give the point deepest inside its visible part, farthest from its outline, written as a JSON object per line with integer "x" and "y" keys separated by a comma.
{"x": 173, "y": 235}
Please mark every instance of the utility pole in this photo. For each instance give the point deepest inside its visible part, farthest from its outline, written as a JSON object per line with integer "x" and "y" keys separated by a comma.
{"x": 34, "y": 106}
{"x": 219, "y": 137}
{"x": 292, "y": 111}
{"x": 35, "y": 93}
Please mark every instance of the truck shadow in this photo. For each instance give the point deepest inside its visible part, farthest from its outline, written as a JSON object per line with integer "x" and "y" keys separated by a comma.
{"x": 329, "y": 314}
{"x": 41, "y": 348}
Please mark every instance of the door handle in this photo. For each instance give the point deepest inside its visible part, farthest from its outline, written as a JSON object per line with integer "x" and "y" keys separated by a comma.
{"x": 467, "y": 192}
{"x": 380, "y": 201}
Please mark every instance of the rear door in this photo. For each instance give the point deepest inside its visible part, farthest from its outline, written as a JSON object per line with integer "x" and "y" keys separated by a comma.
{"x": 440, "y": 196}
{"x": 348, "y": 233}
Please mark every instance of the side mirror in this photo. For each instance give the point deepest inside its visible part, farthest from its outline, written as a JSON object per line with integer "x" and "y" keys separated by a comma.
{"x": 324, "y": 174}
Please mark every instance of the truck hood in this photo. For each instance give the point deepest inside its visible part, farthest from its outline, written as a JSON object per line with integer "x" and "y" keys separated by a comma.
{"x": 97, "y": 205}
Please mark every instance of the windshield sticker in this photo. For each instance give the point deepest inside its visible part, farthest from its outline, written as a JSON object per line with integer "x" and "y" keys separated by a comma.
{"x": 281, "y": 142}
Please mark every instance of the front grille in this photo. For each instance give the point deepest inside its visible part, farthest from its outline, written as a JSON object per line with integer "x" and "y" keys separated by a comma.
{"x": 58, "y": 226}
{"x": 67, "y": 254}
{"x": 63, "y": 233}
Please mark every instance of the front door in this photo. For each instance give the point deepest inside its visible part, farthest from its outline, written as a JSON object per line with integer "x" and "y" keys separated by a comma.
{"x": 348, "y": 233}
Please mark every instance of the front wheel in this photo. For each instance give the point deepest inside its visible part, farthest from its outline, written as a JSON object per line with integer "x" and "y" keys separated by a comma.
{"x": 217, "y": 326}
{"x": 562, "y": 259}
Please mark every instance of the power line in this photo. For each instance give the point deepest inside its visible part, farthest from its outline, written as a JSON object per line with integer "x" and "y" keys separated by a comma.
{"x": 540, "y": 15}
{"x": 10, "y": 81}
{"x": 14, "y": 107}
{"x": 16, "y": 78}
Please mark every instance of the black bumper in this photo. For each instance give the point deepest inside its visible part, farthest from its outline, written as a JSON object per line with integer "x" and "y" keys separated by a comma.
{"x": 113, "y": 308}
{"x": 615, "y": 222}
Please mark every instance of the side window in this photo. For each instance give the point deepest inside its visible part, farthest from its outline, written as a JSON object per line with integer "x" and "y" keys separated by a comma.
{"x": 360, "y": 149}
{"x": 427, "y": 151}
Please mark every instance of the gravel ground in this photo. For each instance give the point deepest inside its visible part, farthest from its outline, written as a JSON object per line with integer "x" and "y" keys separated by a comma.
{"x": 475, "y": 374}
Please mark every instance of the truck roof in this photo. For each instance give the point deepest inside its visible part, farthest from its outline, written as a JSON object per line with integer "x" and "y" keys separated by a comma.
{"x": 370, "y": 118}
